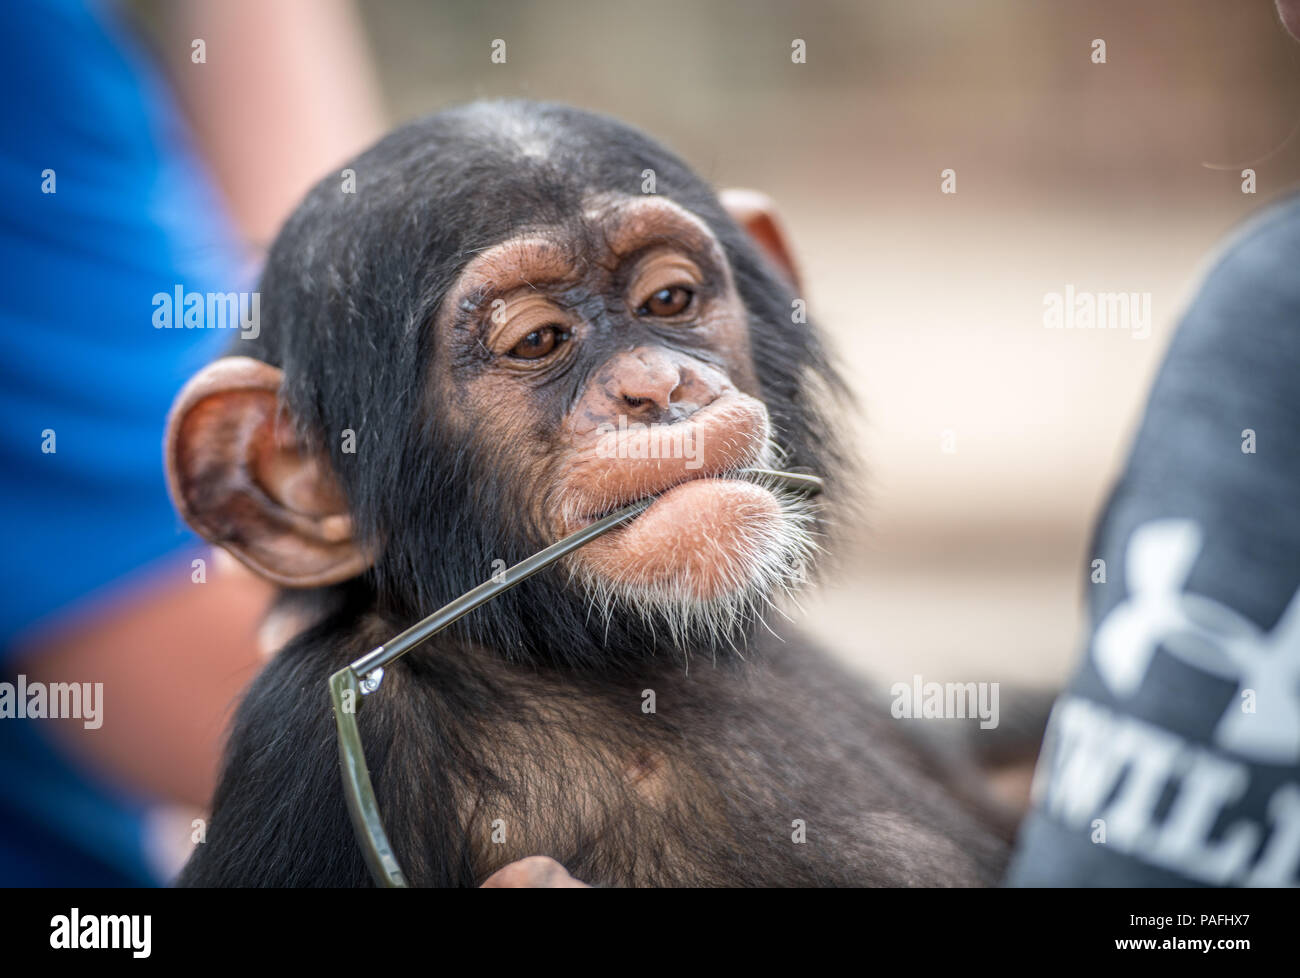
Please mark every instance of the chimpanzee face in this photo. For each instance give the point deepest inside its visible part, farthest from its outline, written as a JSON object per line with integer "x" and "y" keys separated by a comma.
{"x": 613, "y": 353}
{"x": 597, "y": 351}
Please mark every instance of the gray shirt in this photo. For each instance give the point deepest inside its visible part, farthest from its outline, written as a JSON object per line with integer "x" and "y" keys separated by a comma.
{"x": 1173, "y": 757}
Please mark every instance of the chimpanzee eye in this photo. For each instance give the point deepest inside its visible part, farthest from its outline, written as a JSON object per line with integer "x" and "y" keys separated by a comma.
{"x": 667, "y": 302}
{"x": 540, "y": 342}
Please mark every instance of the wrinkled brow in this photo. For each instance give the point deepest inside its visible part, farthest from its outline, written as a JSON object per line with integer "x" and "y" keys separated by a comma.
{"x": 527, "y": 262}
{"x": 630, "y": 224}
{"x": 536, "y": 259}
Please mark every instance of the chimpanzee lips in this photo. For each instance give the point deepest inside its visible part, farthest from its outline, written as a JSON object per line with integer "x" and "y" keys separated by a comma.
{"x": 707, "y": 530}
{"x": 702, "y": 539}
{"x": 655, "y": 496}
{"x": 634, "y": 461}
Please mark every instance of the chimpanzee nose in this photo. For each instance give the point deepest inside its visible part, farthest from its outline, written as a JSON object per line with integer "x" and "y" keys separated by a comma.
{"x": 655, "y": 385}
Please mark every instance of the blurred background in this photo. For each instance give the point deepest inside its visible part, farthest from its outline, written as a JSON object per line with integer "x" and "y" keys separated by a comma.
{"x": 988, "y": 441}
{"x": 1097, "y": 175}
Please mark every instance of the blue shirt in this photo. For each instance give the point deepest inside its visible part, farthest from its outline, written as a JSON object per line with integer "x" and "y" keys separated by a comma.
{"x": 84, "y": 371}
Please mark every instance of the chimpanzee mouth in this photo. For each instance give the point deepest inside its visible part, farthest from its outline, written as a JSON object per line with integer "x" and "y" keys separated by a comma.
{"x": 778, "y": 481}
{"x": 635, "y": 461}
{"x": 713, "y": 548}
{"x": 653, "y": 497}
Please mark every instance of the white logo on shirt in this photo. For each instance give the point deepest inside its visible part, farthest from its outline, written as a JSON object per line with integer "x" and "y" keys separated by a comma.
{"x": 1208, "y": 636}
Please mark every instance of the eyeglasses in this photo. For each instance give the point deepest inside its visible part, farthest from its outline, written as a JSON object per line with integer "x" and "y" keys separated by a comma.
{"x": 359, "y": 679}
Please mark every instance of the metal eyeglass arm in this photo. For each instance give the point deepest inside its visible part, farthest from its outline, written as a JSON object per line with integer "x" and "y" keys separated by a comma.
{"x": 362, "y": 677}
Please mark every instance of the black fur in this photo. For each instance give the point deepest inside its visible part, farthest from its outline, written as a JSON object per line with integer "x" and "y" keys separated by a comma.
{"x": 529, "y": 709}
{"x": 350, "y": 288}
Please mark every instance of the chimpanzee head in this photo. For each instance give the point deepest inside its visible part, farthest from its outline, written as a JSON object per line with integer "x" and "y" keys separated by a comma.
{"x": 508, "y": 320}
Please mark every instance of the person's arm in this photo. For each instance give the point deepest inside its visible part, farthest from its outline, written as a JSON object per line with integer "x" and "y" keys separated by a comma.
{"x": 287, "y": 91}
{"x": 173, "y": 657}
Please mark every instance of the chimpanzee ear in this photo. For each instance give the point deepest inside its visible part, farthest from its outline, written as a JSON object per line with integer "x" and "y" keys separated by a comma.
{"x": 240, "y": 477}
{"x": 755, "y": 211}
